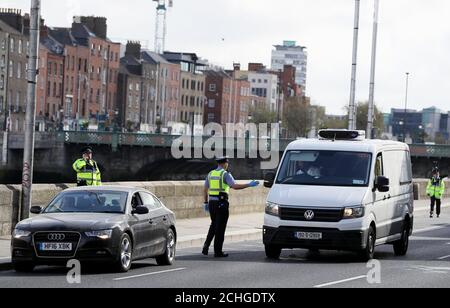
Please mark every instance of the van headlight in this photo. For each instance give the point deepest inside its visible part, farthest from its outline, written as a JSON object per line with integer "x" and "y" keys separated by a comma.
{"x": 272, "y": 209}
{"x": 353, "y": 212}
{"x": 103, "y": 234}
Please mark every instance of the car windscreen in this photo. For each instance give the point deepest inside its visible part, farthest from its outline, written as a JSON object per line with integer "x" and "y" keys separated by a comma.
{"x": 89, "y": 202}
{"x": 325, "y": 168}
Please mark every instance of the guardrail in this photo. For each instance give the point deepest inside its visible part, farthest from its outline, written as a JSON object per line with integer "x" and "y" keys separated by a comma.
{"x": 114, "y": 139}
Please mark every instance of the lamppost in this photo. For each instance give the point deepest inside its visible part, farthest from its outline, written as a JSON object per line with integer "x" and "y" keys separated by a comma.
{"x": 158, "y": 123}
{"x": 406, "y": 107}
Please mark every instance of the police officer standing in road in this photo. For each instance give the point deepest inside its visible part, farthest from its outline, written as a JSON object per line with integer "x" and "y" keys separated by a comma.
{"x": 88, "y": 173}
{"x": 217, "y": 189}
{"x": 435, "y": 190}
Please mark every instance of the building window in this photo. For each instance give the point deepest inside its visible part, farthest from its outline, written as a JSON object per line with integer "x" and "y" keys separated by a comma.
{"x": 2, "y": 82}
{"x": 211, "y": 117}
{"x": 11, "y": 69}
{"x": 19, "y": 70}
{"x": 3, "y": 44}
{"x": 49, "y": 85}
{"x": 212, "y": 87}
{"x": 12, "y": 43}
{"x": 20, "y": 47}
{"x": 212, "y": 103}
{"x": 54, "y": 89}
{"x": 55, "y": 66}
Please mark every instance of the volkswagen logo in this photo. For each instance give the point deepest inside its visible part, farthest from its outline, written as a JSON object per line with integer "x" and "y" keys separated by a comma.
{"x": 309, "y": 215}
{"x": 56, "y": 237}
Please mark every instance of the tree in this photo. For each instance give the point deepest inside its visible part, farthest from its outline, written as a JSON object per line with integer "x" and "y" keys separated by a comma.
{"x": 361, "y": 118}
{"x": 298, "y": 117}
{"x": 262, "y": 114}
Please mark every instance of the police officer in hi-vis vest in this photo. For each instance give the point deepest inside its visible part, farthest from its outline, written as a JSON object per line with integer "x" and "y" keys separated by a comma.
{"x": 217, "y": 189}
{"x": 436, "y": 190}
{"x": 88, "y": 173}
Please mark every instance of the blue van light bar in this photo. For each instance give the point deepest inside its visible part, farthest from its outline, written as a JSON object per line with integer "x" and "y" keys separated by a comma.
{"x": 342, "y": 134}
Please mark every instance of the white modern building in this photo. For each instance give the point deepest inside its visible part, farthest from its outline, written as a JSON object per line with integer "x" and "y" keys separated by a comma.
{"x": 291, "y": 54}
{"x": 264, "y": 85}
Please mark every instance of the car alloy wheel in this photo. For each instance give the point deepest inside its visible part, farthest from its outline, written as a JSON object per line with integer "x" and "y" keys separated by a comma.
{"x": 168, "y": 257}
{"x": 125, "y": 253}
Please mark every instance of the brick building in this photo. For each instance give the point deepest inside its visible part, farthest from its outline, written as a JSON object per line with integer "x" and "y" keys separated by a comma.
{"x": 228, "y": 98}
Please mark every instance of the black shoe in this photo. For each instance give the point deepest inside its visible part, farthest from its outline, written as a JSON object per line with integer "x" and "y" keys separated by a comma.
{"x": 431, "y": 215}
{"x": 221, "y": 255}
{"x": 205, "y": 251}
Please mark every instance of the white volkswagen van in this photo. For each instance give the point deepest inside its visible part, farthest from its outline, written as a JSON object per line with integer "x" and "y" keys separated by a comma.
{"x": 340, "y": 192}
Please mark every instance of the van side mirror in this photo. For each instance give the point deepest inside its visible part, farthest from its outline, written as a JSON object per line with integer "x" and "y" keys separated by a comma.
{"x": 36, "y": 210}
{"x": 269, "y": 179}
{"x": 382, "y": 184}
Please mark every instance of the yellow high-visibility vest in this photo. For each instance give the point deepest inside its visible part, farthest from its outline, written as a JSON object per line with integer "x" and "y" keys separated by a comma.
{"x": 217, "y": 184}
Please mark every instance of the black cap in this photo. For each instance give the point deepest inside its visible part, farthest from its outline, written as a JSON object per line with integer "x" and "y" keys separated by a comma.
{"x": 87, "y": 150}
{"x": 222, "y": 160}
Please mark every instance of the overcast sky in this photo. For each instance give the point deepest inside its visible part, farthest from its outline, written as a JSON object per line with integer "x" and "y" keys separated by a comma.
{"x": 414, "y": 36}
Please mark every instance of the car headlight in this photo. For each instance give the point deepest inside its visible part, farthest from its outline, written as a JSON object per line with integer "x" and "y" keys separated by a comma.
{"x": 17, "y": 234}
{"x": 103, "y": 234}
{"x": 353, "y": 212}
{"x": 272, "y": 209}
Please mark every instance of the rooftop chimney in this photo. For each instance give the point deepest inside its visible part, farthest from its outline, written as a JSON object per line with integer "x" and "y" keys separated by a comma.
{"x": 133, "y": 49}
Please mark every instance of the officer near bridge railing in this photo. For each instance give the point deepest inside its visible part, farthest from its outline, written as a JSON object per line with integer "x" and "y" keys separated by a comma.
{"x": 88, "y": 172}
{"x": 436, "y": 190}
{"x": 217, "y": 189}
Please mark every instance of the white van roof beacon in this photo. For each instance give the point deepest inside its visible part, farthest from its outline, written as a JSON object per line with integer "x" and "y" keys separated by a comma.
{"x": 342, "y": 134}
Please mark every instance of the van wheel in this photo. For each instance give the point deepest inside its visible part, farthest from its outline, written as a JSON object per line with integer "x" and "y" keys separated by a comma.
{"x": 401, "y": 246}
{"x": 368, "y": 253}
{"x": 273, "y": 252}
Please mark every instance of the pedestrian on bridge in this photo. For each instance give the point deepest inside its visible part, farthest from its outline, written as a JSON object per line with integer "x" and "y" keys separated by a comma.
{"x": 217, "y": 188}
{"x": 88, "y": 172}
{"x": 436, "y": 190}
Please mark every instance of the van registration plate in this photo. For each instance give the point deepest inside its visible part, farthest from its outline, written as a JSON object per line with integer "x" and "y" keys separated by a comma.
{"x": 315, "y": 236}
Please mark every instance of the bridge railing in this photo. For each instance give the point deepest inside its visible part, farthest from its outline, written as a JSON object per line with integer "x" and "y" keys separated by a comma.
{"x": 430, "y": 150}
{"x": 154, "y": 140}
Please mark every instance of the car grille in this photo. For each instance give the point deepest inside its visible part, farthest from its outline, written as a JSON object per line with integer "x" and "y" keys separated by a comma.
{"x": 322, "y": 215}
{"x": 43, "y": 237}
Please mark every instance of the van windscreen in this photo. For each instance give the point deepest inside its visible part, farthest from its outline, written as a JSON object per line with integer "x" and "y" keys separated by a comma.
{"x": 325, "y": 168}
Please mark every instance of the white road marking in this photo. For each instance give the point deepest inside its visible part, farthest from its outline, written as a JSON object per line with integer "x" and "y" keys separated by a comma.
{"x": 445, "y": 257}
{"x": 150, "y": 274}
{"x": 423, "y": 238}
{"x": 429, "y": 229}
{"x": 340, "y": 281}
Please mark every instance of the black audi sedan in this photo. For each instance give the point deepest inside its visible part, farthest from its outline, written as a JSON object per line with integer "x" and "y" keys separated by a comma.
{"x": 110, "y": 224}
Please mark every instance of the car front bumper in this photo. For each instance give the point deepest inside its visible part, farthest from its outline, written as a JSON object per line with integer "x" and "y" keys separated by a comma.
{"x": 332, "y": 239}
{"x": 87, "y": 249}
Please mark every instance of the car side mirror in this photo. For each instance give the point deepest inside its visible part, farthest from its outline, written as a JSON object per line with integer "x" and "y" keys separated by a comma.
{"x": 382, "y": 184}
{"x": 269, "y": 179}
{"x": 36, "y": 210}
{"x": 140, "y": 210}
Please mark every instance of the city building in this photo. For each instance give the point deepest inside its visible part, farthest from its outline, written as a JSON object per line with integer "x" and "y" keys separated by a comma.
{"x": 49, "y": 88}
{"x": 137, "y": 90}
{"x": 14, "y": 48}
{"x": 91, "y": 68}
{"x": 167, "y": 91}
{"x": 192, "y": 92}
{"x": 263, "y": 84}
{"x": 431, "y": 121}
{"x": 228, "y": 98}
{"x": 407, "y": 125}
{"x": 291, "y": 54}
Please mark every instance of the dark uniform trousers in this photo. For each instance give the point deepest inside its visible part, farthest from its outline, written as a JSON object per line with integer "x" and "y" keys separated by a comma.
{"x": 436, "y": 201}
{"x": 219, "y": 212}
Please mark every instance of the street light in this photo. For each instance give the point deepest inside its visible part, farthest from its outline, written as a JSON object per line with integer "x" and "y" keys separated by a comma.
{"x": 158, "y": 123}
{"x": 406, "y": 107}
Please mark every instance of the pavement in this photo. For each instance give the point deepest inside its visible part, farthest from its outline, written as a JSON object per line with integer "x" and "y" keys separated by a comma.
{"x": 427, "y": 263}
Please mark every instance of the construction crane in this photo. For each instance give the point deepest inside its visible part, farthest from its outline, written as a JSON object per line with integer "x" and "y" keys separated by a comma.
{"x": 161, "y": 24}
